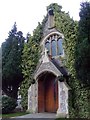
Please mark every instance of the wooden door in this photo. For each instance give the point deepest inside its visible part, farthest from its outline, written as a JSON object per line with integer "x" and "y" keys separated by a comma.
{"x": 41, "y": 96}
{"x": 47, "y": 94}
{"x": 51, "y": 94}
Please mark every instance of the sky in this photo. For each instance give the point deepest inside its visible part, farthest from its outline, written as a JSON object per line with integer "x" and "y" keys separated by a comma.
{"x": 27, "y": 14}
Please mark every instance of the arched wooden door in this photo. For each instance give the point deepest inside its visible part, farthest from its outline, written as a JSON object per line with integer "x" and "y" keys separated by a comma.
{"x": 47, "y": 94}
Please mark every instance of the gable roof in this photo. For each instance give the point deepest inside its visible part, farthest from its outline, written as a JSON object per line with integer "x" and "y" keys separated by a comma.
{"x": 53, "y": 66}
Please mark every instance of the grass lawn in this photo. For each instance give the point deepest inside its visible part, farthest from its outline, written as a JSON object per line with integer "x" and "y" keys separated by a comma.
{"x": 13, "y": 114}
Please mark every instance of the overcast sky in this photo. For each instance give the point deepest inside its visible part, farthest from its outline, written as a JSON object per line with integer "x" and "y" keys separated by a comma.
{"x": 27, "y": 14}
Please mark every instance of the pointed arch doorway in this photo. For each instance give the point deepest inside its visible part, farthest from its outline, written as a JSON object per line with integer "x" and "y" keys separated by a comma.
{"x": 47, "y": 92}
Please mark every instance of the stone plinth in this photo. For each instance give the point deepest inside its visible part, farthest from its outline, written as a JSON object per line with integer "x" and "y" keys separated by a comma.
{"x": 62, "y": 111}
{"x": 33, "y": 98}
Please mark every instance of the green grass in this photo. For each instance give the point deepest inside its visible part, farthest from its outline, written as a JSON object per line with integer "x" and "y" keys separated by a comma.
{"x": 13, "y": 114}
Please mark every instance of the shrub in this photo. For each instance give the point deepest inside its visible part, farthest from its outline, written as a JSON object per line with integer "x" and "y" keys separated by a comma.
{"x": 8, "y": 104}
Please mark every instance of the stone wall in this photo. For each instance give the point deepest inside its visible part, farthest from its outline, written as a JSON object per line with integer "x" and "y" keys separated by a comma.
{"x": 33, "y": 98}
{"x": 63, "y": 99}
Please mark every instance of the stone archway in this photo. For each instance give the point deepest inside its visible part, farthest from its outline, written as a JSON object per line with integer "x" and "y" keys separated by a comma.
{"x": 47, "y": 93}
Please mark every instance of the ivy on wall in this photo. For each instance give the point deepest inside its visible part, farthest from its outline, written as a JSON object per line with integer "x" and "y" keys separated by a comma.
{"x": 79, "y": 104}
{"x": 30, "y": 59}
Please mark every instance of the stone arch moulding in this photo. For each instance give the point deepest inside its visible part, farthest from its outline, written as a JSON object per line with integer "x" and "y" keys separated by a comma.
{"x": 50, "y": 34}
{"x": 46, "y": 72}
{"x": 49, "y": 71}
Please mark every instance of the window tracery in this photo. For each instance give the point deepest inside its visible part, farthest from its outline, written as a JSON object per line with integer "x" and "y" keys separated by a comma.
{"x": 54, "y": 45}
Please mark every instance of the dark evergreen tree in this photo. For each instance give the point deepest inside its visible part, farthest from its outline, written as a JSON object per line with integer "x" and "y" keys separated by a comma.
{"x": 83, "y": 45}
{"x": 82, "y": 61}
{"x": 11, "y": 62}
{"x": 84, "y": 23}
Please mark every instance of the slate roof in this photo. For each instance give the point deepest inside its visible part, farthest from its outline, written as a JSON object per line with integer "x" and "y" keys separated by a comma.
{"x": 59, "y": 67}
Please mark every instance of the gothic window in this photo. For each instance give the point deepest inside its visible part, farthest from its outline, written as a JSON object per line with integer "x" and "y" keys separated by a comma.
{"x": 54, "y": 45}
{"x": 60, "y": 47}
{"x": 47, "y": 45}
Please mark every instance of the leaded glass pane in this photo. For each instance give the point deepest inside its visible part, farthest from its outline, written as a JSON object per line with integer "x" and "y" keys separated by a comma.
{"x": 60, "y": 47}
{"x": 54, "y": 48}
{"x": 47, "y": 45}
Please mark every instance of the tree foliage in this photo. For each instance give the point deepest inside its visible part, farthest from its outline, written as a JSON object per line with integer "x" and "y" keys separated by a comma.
{"x": 83, "y": 45}
{"x": 82, "y": 59}
{"x": 11, "y": 62}
{"x": 84, "y": 23}
{"x": 8, "y": 104}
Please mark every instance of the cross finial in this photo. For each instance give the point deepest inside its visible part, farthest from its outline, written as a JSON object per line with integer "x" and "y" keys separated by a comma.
{"x": 45, "y": 56}
{"x": 46, "y": 51}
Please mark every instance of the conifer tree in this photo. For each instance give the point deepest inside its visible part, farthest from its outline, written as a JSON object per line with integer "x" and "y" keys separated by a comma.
{"x": 11, "y": 62}
{"x": 83, "y": 45}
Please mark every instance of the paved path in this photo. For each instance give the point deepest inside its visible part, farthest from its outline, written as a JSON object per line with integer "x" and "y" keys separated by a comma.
{"x": 39, "y": 115}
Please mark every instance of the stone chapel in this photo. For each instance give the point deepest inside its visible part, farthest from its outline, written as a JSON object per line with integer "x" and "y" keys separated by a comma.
{"x": 49, "y": 93}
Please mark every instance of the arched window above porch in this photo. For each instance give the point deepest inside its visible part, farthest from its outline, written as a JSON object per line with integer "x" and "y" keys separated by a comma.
{"x": 54, "y": 45}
